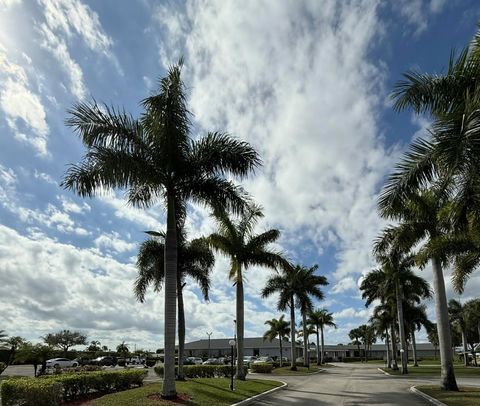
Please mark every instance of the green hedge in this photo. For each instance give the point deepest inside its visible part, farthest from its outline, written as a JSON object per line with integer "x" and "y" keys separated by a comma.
{"x": 262, "y": 367}
{"x": 46, "y": 390}
{"x": 201, "y": 371}
{"x": 31, "y": 392}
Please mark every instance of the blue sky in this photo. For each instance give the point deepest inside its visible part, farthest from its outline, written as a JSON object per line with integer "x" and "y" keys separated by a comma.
{"x": 307, "y": 83}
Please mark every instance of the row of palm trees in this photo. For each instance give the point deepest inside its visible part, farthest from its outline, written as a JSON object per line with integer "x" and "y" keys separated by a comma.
{"x": 155, "y": 159}
{"x": 317, "y": 321}
{"x": 432, "y": 196}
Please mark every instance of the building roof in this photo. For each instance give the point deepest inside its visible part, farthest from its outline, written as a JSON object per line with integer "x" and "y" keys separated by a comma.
{"x": 222, "y": 343}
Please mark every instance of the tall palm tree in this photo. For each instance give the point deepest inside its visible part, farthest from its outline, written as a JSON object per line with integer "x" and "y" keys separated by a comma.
{"x": 283, "y": 283}
{"x": 423, "y": 218}
{"x": 278, "y": 329}
{"x": 395, "y": 279}
{"x": 235, "y": 238}
{"x": 319, "y": 319}
{"x": 307, "y": 287}
{"x": 195, "y": 260}
{"x": 415, "y": 319}
{"x": 156, "y": 160}
{"x": 459, "y": 321}
{"x": 383, "y": 320}
{"x": 354, "y": 335}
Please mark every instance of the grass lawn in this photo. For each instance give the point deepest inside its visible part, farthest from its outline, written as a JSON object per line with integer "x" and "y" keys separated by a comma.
{"x": 194, "y": 392}
{"x": 299, "y": 371}
{"x": 460, "y": 371}
{"x": 468, "y": 395}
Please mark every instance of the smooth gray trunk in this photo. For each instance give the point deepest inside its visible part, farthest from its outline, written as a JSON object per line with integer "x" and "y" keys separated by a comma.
{"x": 401, "y": 328}
{"x": 447, "y": 376}
{"x": 465, "y": 349}
{"x": 306, "y": 357}
{"x": 292, "y": 335}
{"x": 394, "y": 347}
{"x": 319, "y": 360}
{"x": 181, "y": 329}
{"x": 168, "y": 389}
{"x": 281, "y": 350}
{"x": 387, "y": 342}
{"x": 240, "y": 322}
{"x": 414, "y": 348}
{"x": 323, "y": 346}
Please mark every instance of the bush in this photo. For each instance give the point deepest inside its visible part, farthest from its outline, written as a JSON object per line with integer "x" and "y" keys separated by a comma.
{"x": 200, "y": 371}
{"x": 3, "y": 365}
{"x": 46, "y": 390}
{"x": 150, "y": 362}
{"x": 262, "y": 367}
{"x": 31, "y": 392}
{"x": 121, "y": 362}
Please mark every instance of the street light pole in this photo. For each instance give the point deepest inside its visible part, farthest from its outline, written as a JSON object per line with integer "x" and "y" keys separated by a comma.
{"x": 232, "y": 344}
{"x": 209, "y": 334}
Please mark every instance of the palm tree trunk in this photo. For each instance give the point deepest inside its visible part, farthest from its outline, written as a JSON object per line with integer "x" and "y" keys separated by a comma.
{"x": 319, "y": 349}
{"x": 387, "y": 342}
{"x": 414, "y": 348}
{"x": 323, "y": 346}
{"x": 281, "y": 350}
{"x": 447, "y": 376}
{"x": 401, "y": 328}
{"x": 292, "y": 335}
{"x": 169, "y": 390}
{"x": 465, "y": 349}
{"x": 181, "y": 329}
{"x": 394, "y": 347}
{"x": 240, "y": 322}
{"x": 306, "y": 357}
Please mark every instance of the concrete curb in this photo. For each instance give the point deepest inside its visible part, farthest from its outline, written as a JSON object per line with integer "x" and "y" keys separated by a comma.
{"x": 428, "y": 398}
{"x": 260, "y": 395}
{"x": 384, "y": 372}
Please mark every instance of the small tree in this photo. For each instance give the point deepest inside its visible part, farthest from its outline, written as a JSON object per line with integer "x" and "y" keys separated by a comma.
{"x": 123, "y": 350}
{"x": 94, "y": 346}
{"x": 65, "y": 340}
{"x": 432, "y": 336}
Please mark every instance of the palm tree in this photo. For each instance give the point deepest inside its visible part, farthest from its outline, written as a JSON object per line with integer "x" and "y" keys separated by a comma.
{"x": 307, "y": 287}
{"x": 415, "y": 319}
{"x": 395, "y": 279}
{"x": 382, "y": 320}
{"x": 283, "y": 283}
{"x": 432, "y": 335}
{"x": 367, "y": 335}
{"x": 236, "y": 239}
{"x": 458, "y": 319}
{"x": 155, "y": 159}
{"x": 424, "y": 218}
{"x": 320, "y": 319}
{"x": 278, "y": 328}
{"x": 195, "y": 260}
{"x": 354, "y": 335}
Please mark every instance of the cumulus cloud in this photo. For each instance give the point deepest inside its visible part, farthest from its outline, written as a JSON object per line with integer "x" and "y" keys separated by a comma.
{"x": 23, "y": 108}
{"x": 418, "y": 12}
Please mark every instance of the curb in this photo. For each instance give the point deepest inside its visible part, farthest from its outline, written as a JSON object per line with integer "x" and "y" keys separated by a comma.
{"x": 275, "y": 375}
{"x": 260, "y": 395}
{"x": 428, "y": 398}
{"x": 384, "y": 372}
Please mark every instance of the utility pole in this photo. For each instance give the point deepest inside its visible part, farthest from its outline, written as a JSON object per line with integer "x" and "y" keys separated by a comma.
{"x": 209, "y": 334}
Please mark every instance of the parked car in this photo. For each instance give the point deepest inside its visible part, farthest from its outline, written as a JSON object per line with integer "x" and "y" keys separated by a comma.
{"x": 83, "y": 361}
{"x": 195, "y": 360}
{"x": 105, "y": 361}
{"x": 214, "y": 361}
{"x": 263, "y": 359}
{"x": 249, "y": 359}
{"x": 61, "y": 363}
{"x": 136, "y": 361}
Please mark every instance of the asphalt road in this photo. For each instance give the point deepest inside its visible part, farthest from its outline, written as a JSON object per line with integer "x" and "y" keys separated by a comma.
{"x": 348, "y": 384}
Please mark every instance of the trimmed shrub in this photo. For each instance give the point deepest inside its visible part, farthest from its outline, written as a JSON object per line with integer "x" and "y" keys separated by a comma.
{"x": 262, "y": 367}
{"x": 150, "y": 362}
{"x": 68, "y": 385}
{"x": 201, "y": 371}
{"x": 31, "y": 392}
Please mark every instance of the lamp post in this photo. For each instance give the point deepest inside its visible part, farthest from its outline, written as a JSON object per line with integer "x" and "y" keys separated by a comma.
{"x": 209, "y": 334}
{"x": 232, "y": 344}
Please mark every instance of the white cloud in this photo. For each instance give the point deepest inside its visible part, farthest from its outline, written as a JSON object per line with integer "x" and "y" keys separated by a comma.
{"x": 4, "y": 4}
{"x": 58, "y": 47}
{"x": 360, "y": 316}
{"x": 418, "y": 12}
{"x": 296, "y": 81}
{"x": 113, "y": 241}
{"x": 345, "y": 284}
{"x": 22, "y": 106}
{"x": 72, "y": 207}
